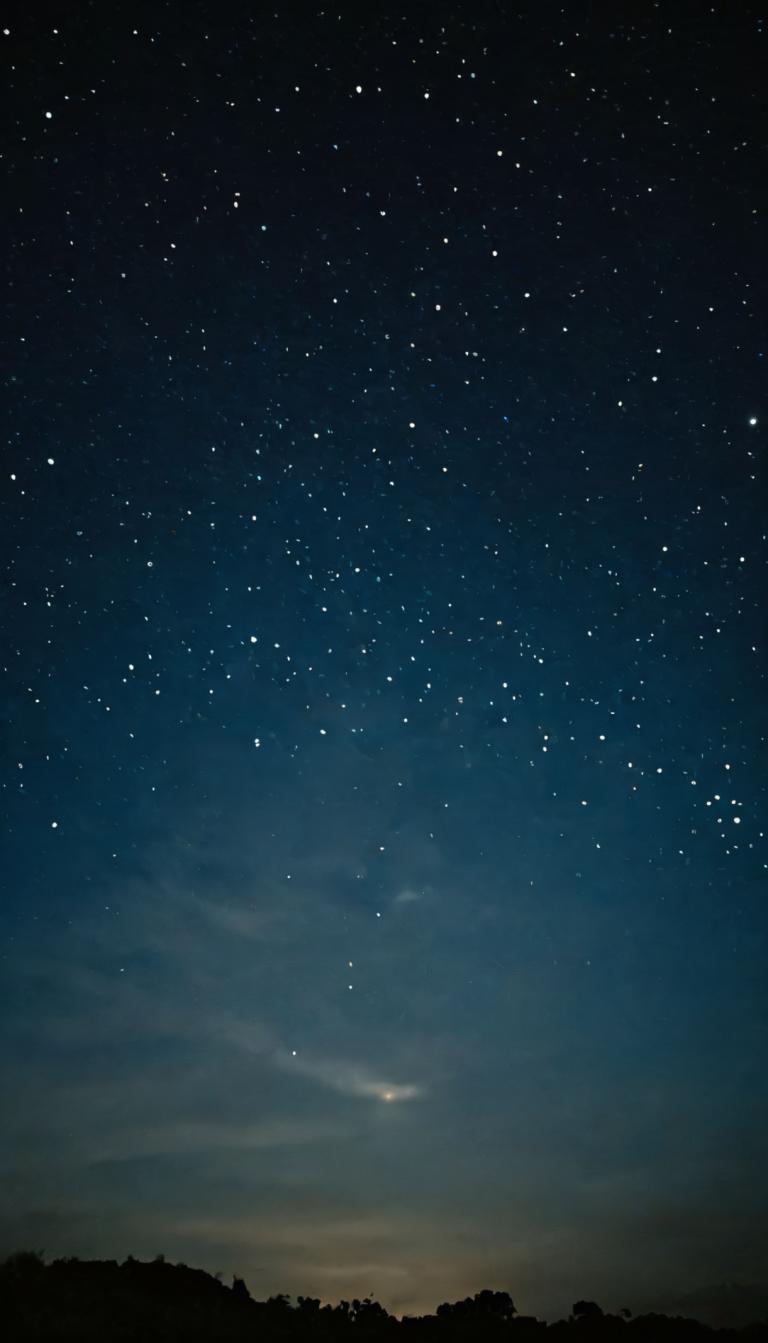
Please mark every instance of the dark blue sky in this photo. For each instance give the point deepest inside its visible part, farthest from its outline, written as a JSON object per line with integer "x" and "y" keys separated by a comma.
{"x": 382, "y": 645}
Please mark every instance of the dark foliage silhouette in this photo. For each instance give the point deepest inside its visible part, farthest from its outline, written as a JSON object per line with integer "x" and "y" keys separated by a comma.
{"x": 158, "y": 1302}
{"x": 586, "y": 1310}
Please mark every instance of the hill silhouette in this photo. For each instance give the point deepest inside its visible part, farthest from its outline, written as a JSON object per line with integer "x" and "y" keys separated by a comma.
{"x": 159, "y": 1302}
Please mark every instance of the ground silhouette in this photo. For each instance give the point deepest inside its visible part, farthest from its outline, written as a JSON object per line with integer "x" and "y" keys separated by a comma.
{"x": 158, "y": 1302}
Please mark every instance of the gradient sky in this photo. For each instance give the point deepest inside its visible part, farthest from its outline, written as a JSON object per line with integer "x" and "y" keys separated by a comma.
{"x": 382, "y": 639}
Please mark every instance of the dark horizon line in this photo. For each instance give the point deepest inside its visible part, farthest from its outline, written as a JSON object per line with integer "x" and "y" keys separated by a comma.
{"x": 24, "y": 1265}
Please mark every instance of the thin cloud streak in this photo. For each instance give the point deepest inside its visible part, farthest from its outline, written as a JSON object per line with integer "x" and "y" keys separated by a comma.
{"x": 201, "y": 1136}
{"x": 350, "y": 1079}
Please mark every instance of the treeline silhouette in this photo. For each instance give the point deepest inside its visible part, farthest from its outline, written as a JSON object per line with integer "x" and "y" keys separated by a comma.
{"x": 158, "y": 1302}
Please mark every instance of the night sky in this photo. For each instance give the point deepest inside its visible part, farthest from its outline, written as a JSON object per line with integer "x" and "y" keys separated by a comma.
{"x": 382, "y": 645}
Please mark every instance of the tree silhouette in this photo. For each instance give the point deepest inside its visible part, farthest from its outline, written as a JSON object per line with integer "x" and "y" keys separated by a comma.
{"x": 239, "y": 1289}
{"x": 586, "y": 1310}
{"x": 485, "y": 1304}
{"x": 160, "y": 1302}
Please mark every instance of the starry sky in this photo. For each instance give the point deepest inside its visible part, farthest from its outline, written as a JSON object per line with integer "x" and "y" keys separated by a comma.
{"x": 382, "y": 646}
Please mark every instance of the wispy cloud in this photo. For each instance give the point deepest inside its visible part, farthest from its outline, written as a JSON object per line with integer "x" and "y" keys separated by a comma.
{"x": 351, "y": 1079}
{"x": 202, "y": 1136}
{"x": 407, "y": 896}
